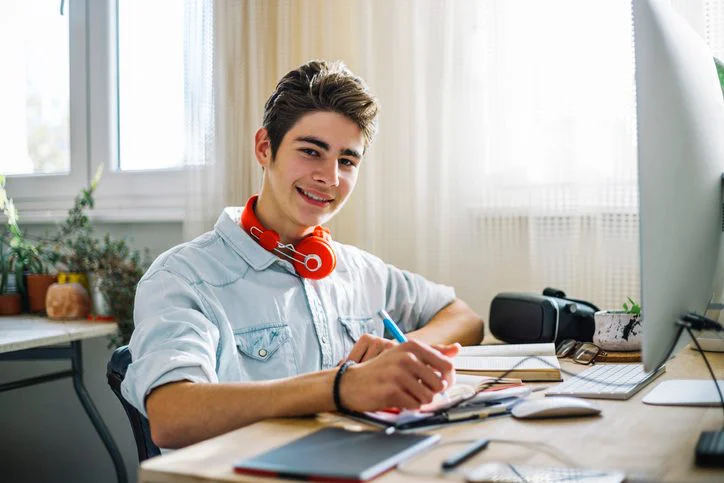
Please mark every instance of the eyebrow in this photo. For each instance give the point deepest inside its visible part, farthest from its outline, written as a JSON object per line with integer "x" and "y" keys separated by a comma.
{"x": 318, "y": 142}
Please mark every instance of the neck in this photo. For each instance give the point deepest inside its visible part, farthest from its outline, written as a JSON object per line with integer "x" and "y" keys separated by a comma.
{"x": 266, "y": 211}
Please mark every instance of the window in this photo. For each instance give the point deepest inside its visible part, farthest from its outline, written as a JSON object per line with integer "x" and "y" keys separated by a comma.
{"x": 150, "y": 84}
{"x": 126, "y": 84}
{"x": 34, "y": 88}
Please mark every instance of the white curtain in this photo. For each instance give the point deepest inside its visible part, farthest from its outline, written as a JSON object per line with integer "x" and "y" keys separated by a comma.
{"x": 506, "y": 156}
{"x": 204, "y": 162}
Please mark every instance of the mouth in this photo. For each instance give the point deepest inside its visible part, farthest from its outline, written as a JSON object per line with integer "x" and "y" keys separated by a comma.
{"x": 314, "y": 197}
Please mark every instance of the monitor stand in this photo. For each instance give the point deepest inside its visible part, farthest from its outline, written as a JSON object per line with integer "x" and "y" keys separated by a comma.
{"x": 693, "y": 392}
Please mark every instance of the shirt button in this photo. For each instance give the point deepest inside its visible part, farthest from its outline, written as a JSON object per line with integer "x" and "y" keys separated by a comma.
{"x": 262, "y": 352}
{"x": 324, "y": 339}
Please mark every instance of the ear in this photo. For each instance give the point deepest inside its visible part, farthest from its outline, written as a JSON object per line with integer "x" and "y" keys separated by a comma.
{"x": 262, "y": 147}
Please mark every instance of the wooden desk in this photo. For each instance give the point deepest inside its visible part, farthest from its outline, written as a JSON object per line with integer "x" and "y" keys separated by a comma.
{"x": 650, "y": 443}
{"x": 28, "y": 337}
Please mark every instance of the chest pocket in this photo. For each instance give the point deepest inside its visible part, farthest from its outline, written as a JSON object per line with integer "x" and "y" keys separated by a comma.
{"x": 354, "y": 327}
{"x": 266, "y": 351}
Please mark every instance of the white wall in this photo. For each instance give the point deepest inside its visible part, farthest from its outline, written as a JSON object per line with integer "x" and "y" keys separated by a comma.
{"x": 45, "y": 434}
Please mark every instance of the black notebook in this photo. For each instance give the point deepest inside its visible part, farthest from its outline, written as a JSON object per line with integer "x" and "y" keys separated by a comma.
{"x": 335, "y": 454}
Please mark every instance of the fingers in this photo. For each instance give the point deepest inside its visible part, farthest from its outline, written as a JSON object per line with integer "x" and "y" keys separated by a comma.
{"x": 435, "y": 359}
{"x": 357, "y": 353}
{"x": 418, "y": 392}
{"x": 368, "y": 347}
{"x": 450, "y": 350}
{"x": 376, "y": 346}
{"x": 424, "y": 375}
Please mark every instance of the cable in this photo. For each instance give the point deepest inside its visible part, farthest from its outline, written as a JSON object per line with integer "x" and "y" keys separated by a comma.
{"x": 685, "y": 323}
{"x": 454, "y": 474}
{"x": 574, "y": 374}
{"x": 708, "y": 366}
{"x": 448, "y": 475}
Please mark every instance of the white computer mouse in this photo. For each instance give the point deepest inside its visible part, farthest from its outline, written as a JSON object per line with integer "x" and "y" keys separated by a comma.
{"x": 554, "y": 407}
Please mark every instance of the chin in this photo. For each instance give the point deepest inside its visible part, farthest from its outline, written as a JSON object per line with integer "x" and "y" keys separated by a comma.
{"x": 316, "y": 218}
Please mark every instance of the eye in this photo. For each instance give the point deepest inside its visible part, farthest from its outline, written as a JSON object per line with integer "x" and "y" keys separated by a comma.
{"x": 347, "y": 162}
{"x": 310, "y": 152}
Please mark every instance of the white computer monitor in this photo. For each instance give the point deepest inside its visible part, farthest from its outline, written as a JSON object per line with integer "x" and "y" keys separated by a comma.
{"x": 680, "y": 119}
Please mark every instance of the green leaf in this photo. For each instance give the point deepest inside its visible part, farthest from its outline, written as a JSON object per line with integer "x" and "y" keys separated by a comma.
{"x": 720, "y": 72}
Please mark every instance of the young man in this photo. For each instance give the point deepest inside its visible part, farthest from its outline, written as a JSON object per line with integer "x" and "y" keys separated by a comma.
{"x": 266, "y": 306}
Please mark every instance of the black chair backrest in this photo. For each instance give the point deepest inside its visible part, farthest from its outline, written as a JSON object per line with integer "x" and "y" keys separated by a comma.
{"x": 116, "y": 372}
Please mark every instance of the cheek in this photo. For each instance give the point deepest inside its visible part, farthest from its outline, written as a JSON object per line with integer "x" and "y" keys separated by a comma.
{"x": 348, "y": 181}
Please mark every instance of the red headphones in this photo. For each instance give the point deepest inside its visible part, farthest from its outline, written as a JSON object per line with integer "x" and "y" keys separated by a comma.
{"x": 312, "y": 256}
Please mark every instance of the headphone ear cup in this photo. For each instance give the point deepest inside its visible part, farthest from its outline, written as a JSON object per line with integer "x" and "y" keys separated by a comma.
{"x": 319, "y": 256}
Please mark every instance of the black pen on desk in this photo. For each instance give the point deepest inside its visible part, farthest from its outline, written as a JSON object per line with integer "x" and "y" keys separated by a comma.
{"x": 465, "y": 454}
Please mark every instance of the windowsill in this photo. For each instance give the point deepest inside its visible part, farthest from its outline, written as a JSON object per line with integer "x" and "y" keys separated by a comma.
{"x": 109, "y": 208}
{"x": 154, "y": 215}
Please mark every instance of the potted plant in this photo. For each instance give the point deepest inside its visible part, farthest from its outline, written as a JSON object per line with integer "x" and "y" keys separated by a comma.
{"x": 619, "y": 330}
{"x": 109, "y": 269}
{"x": 116, "y": 275}
{"x": 37, "y": 275}
{"x": 26, "y": 259}
{"x": 10, "y": 300}
{"x": 74, "y": 249}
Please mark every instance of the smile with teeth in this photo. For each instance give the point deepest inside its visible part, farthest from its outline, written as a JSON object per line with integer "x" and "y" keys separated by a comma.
{"x": 314, "y": 197}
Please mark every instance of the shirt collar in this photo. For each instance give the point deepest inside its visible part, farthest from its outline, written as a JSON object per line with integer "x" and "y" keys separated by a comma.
{"x": 228, "y": 227}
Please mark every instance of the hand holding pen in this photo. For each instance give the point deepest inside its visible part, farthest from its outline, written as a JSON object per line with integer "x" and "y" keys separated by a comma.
{"x": 399, "y": 336}
{"x": 405, "y": 376}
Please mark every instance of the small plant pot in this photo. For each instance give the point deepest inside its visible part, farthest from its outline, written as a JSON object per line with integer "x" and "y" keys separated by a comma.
{"x": 10, "y": 304}
{"x": 37, "y": 287}
{"x": 101, "y": 309}
{"x": 616, "y": 330}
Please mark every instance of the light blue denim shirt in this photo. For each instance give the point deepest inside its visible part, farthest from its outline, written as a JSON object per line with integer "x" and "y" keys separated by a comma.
{"x": 221, "y": 308}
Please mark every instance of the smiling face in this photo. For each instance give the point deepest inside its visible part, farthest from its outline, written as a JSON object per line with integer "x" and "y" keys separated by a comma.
{"x": 312, "y": 175}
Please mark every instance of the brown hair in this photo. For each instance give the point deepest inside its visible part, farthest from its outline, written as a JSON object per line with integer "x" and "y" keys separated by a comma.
{"x": 319, "y": 85}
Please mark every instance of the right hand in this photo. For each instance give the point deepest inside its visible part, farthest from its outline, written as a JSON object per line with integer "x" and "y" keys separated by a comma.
{"x": 368, "y": 347}
{"x": 406, "y": 376}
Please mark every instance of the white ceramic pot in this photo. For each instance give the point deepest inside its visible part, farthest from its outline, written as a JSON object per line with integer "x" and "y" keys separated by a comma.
{"x": 617, "y": 330}
{"x": 100, "y": 304}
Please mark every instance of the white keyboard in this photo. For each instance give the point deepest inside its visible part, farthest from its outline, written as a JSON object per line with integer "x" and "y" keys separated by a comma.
{"x": 606, "y": 381}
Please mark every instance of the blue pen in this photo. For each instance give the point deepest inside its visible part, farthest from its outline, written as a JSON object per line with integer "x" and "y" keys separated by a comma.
{"x": 397, "y": 333}
{"x": 392, "y": 327}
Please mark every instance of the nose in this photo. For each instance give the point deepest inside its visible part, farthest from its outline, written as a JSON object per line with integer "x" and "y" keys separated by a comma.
{"x": 328, "y": 172}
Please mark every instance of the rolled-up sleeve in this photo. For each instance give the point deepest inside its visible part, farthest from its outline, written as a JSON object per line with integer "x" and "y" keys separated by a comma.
{"x": 173, "y": 339}
{"x": 413, "y": 300}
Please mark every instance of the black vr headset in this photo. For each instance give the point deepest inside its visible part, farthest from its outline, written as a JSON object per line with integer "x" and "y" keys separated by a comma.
{"x": 524, "y": 318}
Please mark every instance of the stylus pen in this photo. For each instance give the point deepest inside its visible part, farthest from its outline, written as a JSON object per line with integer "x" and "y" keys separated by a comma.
{"x": 465, "y": 454}
{"x": 392, "y": 327}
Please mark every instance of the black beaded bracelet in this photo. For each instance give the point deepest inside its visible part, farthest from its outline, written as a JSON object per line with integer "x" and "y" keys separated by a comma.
{"x": 335, "y": 389}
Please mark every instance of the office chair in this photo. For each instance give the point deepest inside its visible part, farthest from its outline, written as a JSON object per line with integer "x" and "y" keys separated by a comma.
{"x": 116, "y": 372}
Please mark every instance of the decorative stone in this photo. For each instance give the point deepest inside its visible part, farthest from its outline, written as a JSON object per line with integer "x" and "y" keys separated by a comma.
{"x": 67, "y": 301}
{"x": 617, "y": 330}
